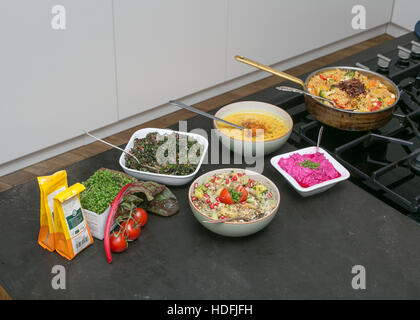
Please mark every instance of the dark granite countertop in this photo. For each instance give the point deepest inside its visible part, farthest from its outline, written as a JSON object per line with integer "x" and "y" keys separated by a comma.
{"x": 307, "y": 252}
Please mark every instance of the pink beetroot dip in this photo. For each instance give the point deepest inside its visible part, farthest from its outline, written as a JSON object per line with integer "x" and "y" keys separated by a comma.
{"x": 307, "y": 177}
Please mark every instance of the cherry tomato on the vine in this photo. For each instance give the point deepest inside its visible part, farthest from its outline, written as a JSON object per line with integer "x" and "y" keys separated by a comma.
{"x": 131, "y": 229}
{"x": 118, "y": 243}
{"x": 140, "y": 216}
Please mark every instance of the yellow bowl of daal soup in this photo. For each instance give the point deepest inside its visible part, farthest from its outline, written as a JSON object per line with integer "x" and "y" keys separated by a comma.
{"x": 268, "y": 127}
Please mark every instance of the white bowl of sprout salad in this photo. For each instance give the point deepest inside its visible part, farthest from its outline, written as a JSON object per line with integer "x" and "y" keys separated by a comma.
{"x": 247, "y": 197}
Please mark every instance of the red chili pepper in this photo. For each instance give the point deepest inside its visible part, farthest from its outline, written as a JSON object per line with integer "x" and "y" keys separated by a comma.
{"x": 208, "y": 200}
{"x": 322, "y": 77}
{"x": 227, "y": 181}
{"x": 212, "y": 206}
{"x": 206, "y": 195}
{"x": 234, "y": 178}
{"x": 112, "y": 212}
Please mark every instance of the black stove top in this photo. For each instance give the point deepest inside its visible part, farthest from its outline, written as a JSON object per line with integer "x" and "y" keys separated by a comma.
{"x": 384, "y": 162}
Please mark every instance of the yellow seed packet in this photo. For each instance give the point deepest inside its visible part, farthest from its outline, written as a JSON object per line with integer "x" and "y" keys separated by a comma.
{"x": 49, "y": 187}
{"x": 72, "y": 234}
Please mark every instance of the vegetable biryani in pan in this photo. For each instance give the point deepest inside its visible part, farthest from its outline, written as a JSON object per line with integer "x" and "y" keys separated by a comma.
{"x": 351, "y": 90}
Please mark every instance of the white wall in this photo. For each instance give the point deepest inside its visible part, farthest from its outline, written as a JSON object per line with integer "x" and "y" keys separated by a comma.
{"x": 167, "y": 49}
{"x": 54, "y": 83}
{"x": 405, "y": 15}
{"x": 119, "y": 61}
{"x": 273, "y": 31}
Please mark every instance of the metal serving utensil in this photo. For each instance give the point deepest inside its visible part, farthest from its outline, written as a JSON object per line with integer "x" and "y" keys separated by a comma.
{"x": 226, "y": 220}
{"x": 290, "y": 89}
{"x": 319, "y": 137}
{"x": 126, "y": 152}
{"x": 208, "y": 115}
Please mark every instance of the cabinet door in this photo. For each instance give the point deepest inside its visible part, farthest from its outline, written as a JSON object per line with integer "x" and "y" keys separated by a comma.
{"x": 272, "y": 31}
{"x": 54, "y": 83}
{"x": 167, "y": 49}
{"x": 406, "y": 13}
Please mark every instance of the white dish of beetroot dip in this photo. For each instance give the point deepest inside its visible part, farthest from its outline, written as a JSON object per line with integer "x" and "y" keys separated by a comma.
{"x": 310, "y": 171}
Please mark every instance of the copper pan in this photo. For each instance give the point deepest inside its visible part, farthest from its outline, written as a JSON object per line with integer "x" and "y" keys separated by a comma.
{"x": 338, "y": 118}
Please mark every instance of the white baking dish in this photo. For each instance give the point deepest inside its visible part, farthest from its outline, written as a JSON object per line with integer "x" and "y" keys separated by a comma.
{"x": 315, "y": 189}
{"x": 170, "y": 180}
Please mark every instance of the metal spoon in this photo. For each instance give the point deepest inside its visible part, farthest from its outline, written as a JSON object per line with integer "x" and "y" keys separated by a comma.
{"x": 319, "y": 137}
{"x": 126, "y": 152}
{"x": 208, "y": 115}
{"x": 226, "y": 220}
{"x": 290, "y": 89}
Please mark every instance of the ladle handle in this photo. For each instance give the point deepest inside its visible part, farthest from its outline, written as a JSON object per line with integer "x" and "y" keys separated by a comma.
{"x": 270, "y": 70}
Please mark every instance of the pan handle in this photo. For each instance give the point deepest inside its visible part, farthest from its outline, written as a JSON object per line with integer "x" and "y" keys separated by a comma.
{"x": 270, "y": 70}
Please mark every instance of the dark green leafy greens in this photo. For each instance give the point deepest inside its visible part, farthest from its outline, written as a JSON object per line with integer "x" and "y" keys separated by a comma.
{"x": 179, "y": 155}
{"x": 151, "y": 196}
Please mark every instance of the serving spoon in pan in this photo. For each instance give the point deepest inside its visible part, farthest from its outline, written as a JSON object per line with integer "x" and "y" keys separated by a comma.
{"x": 290, "y": 89}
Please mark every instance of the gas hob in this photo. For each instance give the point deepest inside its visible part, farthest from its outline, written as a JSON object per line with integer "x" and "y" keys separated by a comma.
{"x": 384, "y": 162}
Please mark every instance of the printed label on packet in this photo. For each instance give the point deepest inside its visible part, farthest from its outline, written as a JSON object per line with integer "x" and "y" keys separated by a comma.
{"x": 76, "y": 224}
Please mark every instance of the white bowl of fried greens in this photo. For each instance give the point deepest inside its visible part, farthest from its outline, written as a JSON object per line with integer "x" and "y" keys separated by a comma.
{"x": 247, "y": 196}
{"x": 165, "y": 156}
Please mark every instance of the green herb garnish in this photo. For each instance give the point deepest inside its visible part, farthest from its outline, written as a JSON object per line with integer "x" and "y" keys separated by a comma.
{"x": 309, "y": 164}
{"x": 101, "y": 188}
{"x": 235, "y": 194}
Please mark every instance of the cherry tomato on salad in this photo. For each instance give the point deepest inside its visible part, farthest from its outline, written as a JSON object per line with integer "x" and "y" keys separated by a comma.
{"x": 140, "y": 216}
{"x": 131, "y": 229}
{"x": 244, "y": 193}
{"x": 225, "y": 196}
{"x": 231, "y": 196}
{"x": 117, "y": 241}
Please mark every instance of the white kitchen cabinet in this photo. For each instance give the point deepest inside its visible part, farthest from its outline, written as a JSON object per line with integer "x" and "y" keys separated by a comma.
{"x": 271, "y": 31}
{"x": 54, "y": 83}
{"x": 406, "y": 13}
{"x": 118, "y": 61}
{"x": 166, "y": 50}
